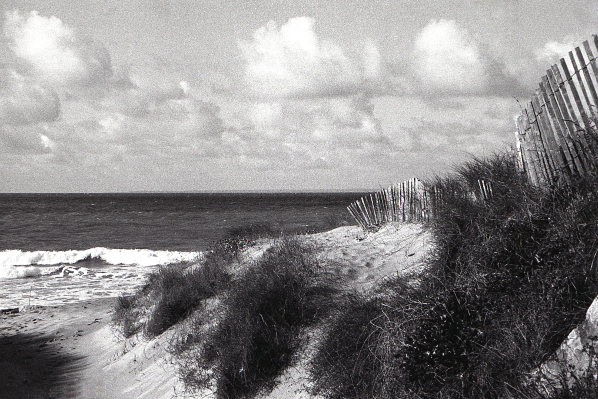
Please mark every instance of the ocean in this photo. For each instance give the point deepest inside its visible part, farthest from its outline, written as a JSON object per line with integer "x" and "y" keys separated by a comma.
{"x": 61, "y": 248}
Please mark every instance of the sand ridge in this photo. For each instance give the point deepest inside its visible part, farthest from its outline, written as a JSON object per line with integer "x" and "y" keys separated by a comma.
{"x": 368, "y": 258}
{"x": 72, "y": 351}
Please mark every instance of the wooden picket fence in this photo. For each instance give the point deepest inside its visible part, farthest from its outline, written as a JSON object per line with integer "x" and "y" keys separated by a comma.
{"x": 410, "y": 201}
{"x": 556, "y": 131}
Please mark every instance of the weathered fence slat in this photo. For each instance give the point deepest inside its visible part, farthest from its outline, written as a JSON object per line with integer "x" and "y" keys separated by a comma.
{"x": 559, "y": 128}
{"x": 539, "y": 151}
{"x": 579, "y": 81}
{"x": 578, "y": 113}
{"x": 592, "y": 61}
{"x": 557, "y": 137}
{"x": 586, "y": 74}
{"x": 409, "y": 201}
{"x": 571, "y": 129}
{"x": 556, "y": 161}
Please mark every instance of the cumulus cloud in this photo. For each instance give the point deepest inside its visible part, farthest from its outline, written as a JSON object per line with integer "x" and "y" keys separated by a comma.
{"x": 291, "y": 61}
{"x": 304, "y": 134}
{"x": 54, "y": 52}
{"x": 554, "y": 50}
{"x": 60, "y": 95}
{"x": 340, "y": 121}
{"x": 142, "y": 90}
{"x": 446, "y": 59}
{"x": 159, "y": 95}
{"x": 24, "y": 102}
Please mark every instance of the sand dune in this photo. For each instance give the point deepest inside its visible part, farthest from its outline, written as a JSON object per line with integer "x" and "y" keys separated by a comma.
{"x": 71, "y": 351}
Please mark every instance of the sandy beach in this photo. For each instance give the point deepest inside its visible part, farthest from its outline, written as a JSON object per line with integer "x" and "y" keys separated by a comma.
{"x": 45, "y": 351}
{"x": 72, "y": 351}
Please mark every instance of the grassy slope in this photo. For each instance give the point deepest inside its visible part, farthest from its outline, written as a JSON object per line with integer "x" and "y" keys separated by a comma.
{"x": 510, "y": 278}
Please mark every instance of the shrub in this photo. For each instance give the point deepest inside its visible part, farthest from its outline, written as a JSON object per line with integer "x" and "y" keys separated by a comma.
{"x": 179, "y": 291}
{"x": 172, "y": 293}
{"x": 357, "y": 357}
{"x": 260, "y": 332}
{"x": 126, "y": 315}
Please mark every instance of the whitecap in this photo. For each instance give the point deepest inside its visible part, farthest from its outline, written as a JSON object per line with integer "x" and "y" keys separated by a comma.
{"x": 19, "y": 271}
{"x": 19, "y": 264}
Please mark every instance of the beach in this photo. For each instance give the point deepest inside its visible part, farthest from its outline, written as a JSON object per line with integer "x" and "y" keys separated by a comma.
{"x": 46, "y": 351}
{"x": 73, "y": 351}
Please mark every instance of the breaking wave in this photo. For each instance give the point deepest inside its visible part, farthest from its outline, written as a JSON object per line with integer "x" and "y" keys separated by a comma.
{"x": 20, "y": 264}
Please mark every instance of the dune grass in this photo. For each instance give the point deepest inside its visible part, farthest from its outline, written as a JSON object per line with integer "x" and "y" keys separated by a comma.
{"x": 510, "y": 278}
{"x": 240, "y": 346}
{"x": 261, "y": 329}
{"x": 173, "y": 292}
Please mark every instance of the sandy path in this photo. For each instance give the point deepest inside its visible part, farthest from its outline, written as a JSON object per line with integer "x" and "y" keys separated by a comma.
{"x": 367, "y": 259}
{"x": 42, "y": 354}
{"x": 72, "y": 351}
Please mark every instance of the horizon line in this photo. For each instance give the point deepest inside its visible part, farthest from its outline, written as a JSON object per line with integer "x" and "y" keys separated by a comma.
{"x": 347, "y": 191}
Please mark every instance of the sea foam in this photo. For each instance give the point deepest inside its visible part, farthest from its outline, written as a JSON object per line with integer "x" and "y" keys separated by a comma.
{"x": 19, "y": 271}
{"x": 19, "y": 264}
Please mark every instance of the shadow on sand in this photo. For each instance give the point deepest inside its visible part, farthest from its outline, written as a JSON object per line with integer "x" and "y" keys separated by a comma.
{"x": 34, "y": 366}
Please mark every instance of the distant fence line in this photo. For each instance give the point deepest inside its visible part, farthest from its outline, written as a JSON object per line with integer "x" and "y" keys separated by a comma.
{"x": 556, "y": 131}
{"x": 404, "y": 202}
{"x": 410, "y": 201}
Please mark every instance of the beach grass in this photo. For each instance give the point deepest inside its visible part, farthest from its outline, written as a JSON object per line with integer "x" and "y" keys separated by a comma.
{"x": 260, "y": 332}
{"x": 510, "y": 278}
{"x": 173, "y": 292}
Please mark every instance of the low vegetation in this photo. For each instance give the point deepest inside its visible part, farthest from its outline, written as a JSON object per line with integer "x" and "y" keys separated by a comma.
{"x": 509, "y": 280}
{"x": 510, "y": 277}
{"x": 172, "y": 293}
{"x": 262, "y": 326}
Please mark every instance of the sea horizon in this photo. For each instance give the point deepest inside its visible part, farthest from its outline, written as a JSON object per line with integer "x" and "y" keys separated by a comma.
{"x": 149, "y": 192}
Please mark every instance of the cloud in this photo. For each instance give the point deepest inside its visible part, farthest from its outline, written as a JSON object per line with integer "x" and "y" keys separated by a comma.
{"x": 25, "y": 140}
{"x": 340, "y": 121}
{"x": 159, "y": 95}
{"x": 291, "y": 61}
{"x": 446, "y": 59}
{"x": 59, "y": 96}
{"x": 54, "y": 52}
{"x": 303, "y": 134}
{"x": 24, "y": 102}
{"x": 552, "y": 51}
{"x": 144, "y": 90}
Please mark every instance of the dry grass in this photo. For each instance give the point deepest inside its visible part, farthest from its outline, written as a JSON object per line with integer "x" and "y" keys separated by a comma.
{"x": 259, "y": 334}
{"x": 510, "y": 279}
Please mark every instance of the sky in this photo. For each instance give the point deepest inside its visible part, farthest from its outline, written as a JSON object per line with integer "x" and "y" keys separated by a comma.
{"x": 273, "y": 95}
